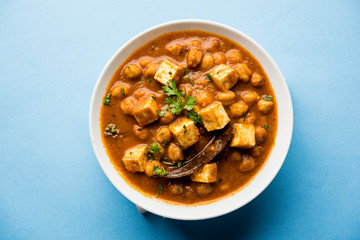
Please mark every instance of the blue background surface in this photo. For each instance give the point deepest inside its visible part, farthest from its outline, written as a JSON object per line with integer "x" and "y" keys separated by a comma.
{"x": 51, "y": 185}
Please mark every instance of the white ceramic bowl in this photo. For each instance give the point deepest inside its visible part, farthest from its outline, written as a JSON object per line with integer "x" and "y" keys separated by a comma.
{"x": 265, "y": 175}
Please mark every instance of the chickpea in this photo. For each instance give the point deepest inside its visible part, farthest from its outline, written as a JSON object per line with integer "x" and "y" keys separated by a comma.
{"x": 243, "y": 71}
{"x": 132, "y": 71}
{"x": 235, "y": 156}
{"x": 163, "y": 134}
{"x": 143, "y": 63}
{"x": 190, "y": 192}
{"x": 151, "y": 70}
{"x": 234, "y": 56}
{"x": 250, "y": 97}
{"x": 247, "y": 164}
{"x": 224, "y": 186}
{"x": 175, "y": 153}
{"x": 203, "y": 189}
{"x": 119, "y": 91}
{"x": 208, "y": 62}
{"x": 176, "y": 188}
{"x": 187, "y": 88}
{"x": 226, "y": 98}
{"x": 126, "y": 106}
{"x": 256, "y": 151}
{"x": 194, "y": 57}
{"x": 238, "y": 109}
{"x": 215, "y": 43}
{"x": 140, "y": 132}
{"x": 140, "y": 93}
{"x": 150, "y": 167}
{"x": 257, "y": 80}
{"x": 250, "y": 118}
{"x": 203, "y": 98}
{"x": 175, "y": 49}
{"x": 201, "y": 81}
{"x": 167, "y": 118}
{"x": 194, "y": 43}
{"x": 220, "y": 58}
{"x": 260, "y": 134}
{"x": 264, "y": 106}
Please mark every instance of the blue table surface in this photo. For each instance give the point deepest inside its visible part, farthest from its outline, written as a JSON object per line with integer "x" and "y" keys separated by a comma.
{"x": 51, "y": 185}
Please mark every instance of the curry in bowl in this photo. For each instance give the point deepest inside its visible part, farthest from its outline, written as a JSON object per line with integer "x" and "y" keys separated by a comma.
{"x": 189, "y": 117}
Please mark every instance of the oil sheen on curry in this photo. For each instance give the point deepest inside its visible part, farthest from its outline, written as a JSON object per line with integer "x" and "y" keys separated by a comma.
{"x": 189, "y": 118}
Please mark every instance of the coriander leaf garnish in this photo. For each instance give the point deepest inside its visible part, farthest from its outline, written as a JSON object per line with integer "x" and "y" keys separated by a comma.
{"x": 151, "y": 156}
{"x": 160, "y": 171}
{"x": 122, "y": 91}
{"x": 165, "y": 161}
{"x": 184, "y": 127}
{"x": 164, "y": 143}
{"x": 180, "y": 146}
{"x": 178, "y": 163}
{"x": 107, "y": 100}
{"x": 172, "y": 90}
{"x": 111, "y": 130}
{"x": 267, "y": 127}
{"x": 192, "y": 115}
{"x": 160, "y": 189}
{"x": 188, "y": 76}
{"x": 243, "y": 116}
{"x": 154, "y": 148}
{"x": 190, "y": 102}
{"x": 176, "y": 100}
{"x": 149, "y": 80}
{"x": 161, "y": 113}
{"x": 153, "y": 97}
{"x": 153, "y": 46}
{"x": 268, "y": 97}
{"x": 208, "y": 77}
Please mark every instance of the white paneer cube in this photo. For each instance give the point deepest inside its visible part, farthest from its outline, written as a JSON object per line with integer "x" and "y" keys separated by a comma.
{"x": 224, "y": 77}
{"x": 244, "y": 136}
{"x": 185, "y": 132}
{"x": 206, "y": 174}
{"x": 135, "y": 159}
{"x": 214, "y": 116}
{"x": 167, "y": 70}
{"x": 145, "y": 110}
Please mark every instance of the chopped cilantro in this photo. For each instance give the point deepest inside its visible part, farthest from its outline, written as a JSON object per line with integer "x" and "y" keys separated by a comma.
{"x": 160, "y": 171}
{"x": 172, "y": 90}
{"x": 243, "y": 116}
{"x": 164, "y": 143}
{"x": 161, "y": 113}
{"x": 154, "y": 148}
{"x": 164, "y": 161}
{"x": 151, "y": 156}
{"x": 160, "y": 189}
{"x": 180, "y": 146}
{"x": 192, "y": 115}
{"x": 191, "y": 81}
{"x": 178, "y": 164}
{"x": 268, "y": 98}
{"x": 208, "y": 77}
{"x": 149, "y": 80}
{"x": 267, "y": 127}
{"x": 153, "y": 97}
{"x": 153, "y": 46}
{"x": 122, "y": 91}
{"x": 107, "y": 100}
{"x": 111, "y": 130}
{"x": 184, "y": 127}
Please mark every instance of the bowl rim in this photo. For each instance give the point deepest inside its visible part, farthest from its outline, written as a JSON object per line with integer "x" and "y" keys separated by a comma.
{"x": 140, "y": 202}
